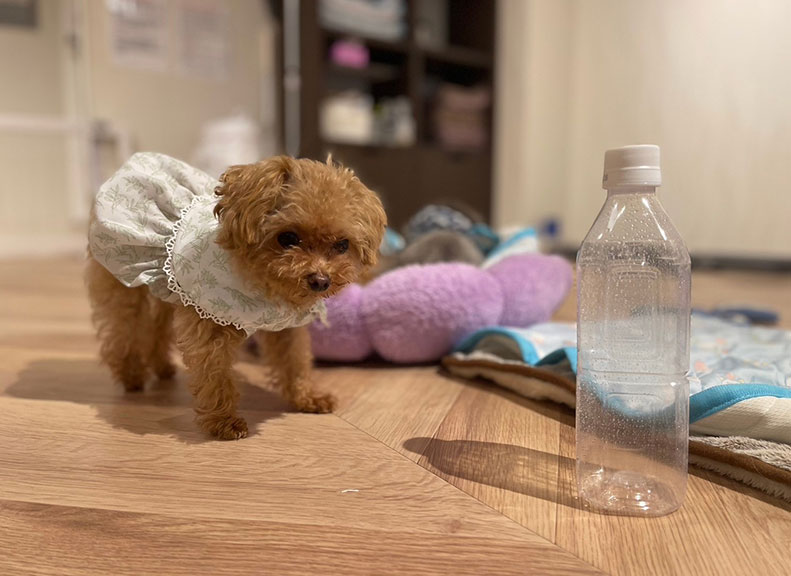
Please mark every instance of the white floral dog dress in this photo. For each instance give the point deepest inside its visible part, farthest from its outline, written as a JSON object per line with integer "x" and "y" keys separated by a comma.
{"x": 154, "y": 225}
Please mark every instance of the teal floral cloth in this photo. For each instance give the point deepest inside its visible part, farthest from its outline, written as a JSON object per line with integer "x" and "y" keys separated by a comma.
{"x": 154, "y": 226}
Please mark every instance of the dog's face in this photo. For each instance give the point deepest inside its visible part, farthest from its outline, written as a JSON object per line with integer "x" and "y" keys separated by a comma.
{"x": 298, "y": 229}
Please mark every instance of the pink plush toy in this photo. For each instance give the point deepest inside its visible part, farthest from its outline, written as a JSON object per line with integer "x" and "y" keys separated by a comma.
{"x": 418, "y": 313}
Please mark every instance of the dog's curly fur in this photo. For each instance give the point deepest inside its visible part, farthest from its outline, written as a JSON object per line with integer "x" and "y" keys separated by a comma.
{"x": 324, "y": 205}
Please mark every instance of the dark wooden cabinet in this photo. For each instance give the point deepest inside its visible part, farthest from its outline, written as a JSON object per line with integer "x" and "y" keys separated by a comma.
{"x": 406, "y": 177}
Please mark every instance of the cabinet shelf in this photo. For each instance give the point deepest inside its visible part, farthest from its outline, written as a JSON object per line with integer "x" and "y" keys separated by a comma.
{"x": 407, "y": 177}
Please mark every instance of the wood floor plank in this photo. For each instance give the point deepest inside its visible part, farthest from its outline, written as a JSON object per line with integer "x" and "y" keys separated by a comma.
{"x": 698, "y": 539}
{"x": 742, "y": 506}
{"x": 96, "y": 481}
{"x": 72, "y": 375}
{"x": 714, "y": 288}
{"x": 497, "y": 449}
{"x": 303, "y": 469}
{"x": 66, "y": 541}
{"x": 395, "y": 406}
{"x": 314, "y": 472}
{"x": 772, "y": 290}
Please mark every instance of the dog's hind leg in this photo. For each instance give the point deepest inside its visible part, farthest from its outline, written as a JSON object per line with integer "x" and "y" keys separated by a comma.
{"x": 122, "y": 318}
{"x": 162, "y": 339}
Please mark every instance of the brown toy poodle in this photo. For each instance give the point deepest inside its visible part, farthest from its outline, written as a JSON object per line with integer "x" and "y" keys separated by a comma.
{"x": 175, "y": 256}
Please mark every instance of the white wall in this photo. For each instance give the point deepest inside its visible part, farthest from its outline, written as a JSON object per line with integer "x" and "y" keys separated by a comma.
{"x": 30, "y": 71}
{"x": 707, "y": 80}
{"x": 162, "y": 110}
{"x": 534, "y": 59}
{"x": 33, "y": 165}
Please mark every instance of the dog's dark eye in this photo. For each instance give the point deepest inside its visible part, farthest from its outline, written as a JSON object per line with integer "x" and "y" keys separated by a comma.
{"x": 341, "y": 246}
{"x": 288, "y": 239}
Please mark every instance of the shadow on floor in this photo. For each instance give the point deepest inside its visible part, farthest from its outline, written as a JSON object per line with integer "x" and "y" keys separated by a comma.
{"x": 514, "y": 468}
{"x": 531, "y": 472}
{"x": 88, "y": 383}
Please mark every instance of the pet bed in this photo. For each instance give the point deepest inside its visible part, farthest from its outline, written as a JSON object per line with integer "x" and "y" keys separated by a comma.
{"x": 418, "y": 313}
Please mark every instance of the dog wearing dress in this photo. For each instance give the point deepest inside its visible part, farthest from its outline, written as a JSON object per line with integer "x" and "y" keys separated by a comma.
{"x": 177, "y": 257}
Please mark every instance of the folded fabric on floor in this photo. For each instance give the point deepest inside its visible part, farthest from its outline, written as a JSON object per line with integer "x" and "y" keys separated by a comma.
{"x": 740, "y": 385}
{"x": 758, "y": 463}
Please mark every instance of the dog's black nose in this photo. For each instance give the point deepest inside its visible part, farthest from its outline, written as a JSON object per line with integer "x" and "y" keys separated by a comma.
{"x": 318, "y": 282}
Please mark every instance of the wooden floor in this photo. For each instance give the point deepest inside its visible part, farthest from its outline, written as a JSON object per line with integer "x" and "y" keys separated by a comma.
{"x": 416, "y": 473}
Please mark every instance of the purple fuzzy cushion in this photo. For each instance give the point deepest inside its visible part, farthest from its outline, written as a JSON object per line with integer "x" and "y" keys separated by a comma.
{"x": 418, "y": 313}
{"x": 533, "y": 285}
{"x": 344, "y": 337}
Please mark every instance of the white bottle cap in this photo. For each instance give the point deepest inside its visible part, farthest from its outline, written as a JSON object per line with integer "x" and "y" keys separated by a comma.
{"x": 632, "y": 166}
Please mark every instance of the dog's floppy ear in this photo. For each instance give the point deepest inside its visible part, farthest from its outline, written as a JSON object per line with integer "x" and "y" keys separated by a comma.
{"x": 372, "y": 221}
{"x": 248, "y": 193}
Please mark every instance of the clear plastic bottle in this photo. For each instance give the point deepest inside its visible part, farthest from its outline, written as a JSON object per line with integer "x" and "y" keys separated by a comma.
{"x": 633, "y": 283}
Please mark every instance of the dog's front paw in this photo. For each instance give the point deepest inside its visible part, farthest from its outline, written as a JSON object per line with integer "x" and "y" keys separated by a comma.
{"x": 315, "y": 403}
{"x": 225, "y": 428}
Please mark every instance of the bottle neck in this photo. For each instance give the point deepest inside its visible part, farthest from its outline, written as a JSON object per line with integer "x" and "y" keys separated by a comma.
{"x": 620, "y": 190}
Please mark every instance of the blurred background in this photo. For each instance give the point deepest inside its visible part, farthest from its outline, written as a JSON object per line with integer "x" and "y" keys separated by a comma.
{"x": 502, "y": 107}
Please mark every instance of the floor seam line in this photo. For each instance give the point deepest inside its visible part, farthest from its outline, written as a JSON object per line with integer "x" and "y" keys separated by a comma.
{"x": 498, "y": 512}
